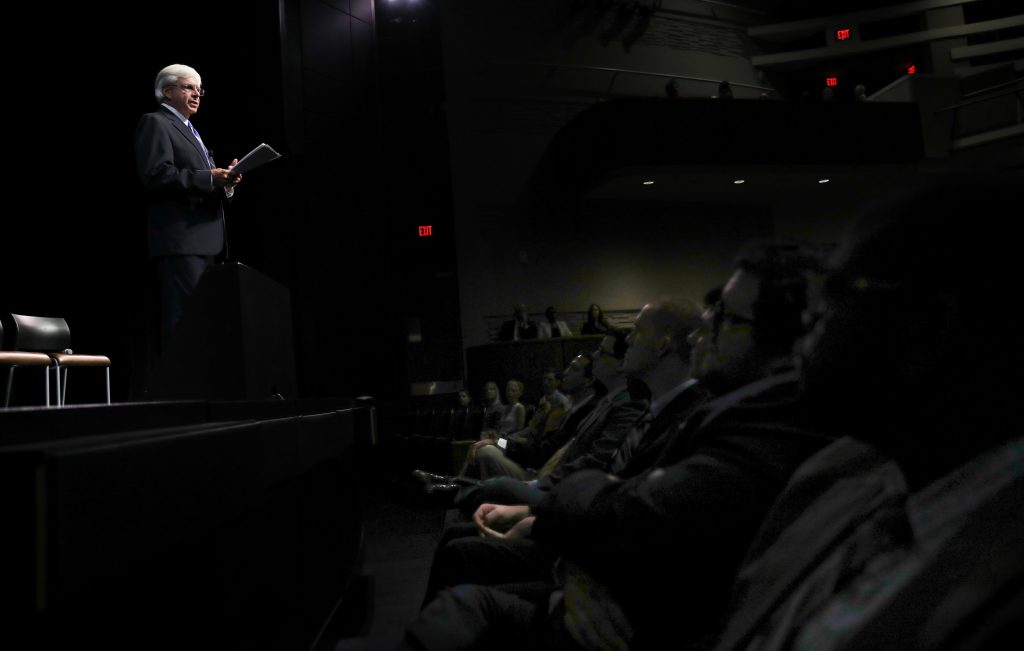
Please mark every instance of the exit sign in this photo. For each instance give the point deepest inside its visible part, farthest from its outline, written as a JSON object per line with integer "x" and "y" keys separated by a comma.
{"x": 426, "y": 231}
{"x": 842, "y": 34}
{"x": 831, "y": 82}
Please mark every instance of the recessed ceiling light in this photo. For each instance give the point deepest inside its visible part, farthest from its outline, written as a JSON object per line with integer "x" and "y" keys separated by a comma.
{"x": 822, "y": 180}
{"x": 739, "y": 181}
{"x": 648, "y": 182}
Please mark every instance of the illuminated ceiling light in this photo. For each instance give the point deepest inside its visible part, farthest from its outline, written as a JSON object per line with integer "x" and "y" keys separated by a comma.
{"x": 648, "y": 182}
{"x": 823, "y": 180}
{"x": 740, "y": 181}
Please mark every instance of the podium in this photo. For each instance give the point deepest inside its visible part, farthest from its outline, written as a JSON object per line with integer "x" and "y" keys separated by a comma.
{"x": 233, "y": 342}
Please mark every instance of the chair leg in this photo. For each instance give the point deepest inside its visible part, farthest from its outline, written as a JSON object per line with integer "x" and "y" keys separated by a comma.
{"x": 46, "y": 373}
{"x": 108, "y": 385}
{"x": 56, "y": 375}
{"x": 64, "y": 388}
{"x": 10, "y": 383}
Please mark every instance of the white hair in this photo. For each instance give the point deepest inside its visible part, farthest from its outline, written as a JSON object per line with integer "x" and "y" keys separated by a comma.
{"x": 171, "y": 74}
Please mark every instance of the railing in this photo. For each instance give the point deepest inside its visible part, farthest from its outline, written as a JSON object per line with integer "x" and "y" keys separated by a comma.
{"x": 1013, "y": 87}
{"x": 555, "y": 67}
{"x": 1015, "y": 82}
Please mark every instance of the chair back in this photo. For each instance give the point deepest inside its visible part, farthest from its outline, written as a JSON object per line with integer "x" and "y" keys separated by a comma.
{"x": 39, "y": 333}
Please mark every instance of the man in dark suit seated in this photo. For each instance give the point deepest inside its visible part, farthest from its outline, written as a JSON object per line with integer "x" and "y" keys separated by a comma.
{"x": 185, "y": 190}
{"x": 685, "y": 522}
{"x": 907, "y": 533}
{"x": 520, "y": 327}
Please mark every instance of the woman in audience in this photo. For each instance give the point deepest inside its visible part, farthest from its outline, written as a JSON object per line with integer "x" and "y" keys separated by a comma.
{"x": 595, "y": 323}
{"x": 513, "y": 417}
{"x": 493, "y": 409}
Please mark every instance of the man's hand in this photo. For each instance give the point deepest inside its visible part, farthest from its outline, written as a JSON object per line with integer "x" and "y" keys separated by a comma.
{"x": 225, "y": 177}
{"x": 476, "y": 446}
{"x": 499, "y": 517}
{"x": 519, "y": 531}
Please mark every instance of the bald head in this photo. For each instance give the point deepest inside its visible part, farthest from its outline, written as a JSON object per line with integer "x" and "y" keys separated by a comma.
{"x": 660, "y": 333}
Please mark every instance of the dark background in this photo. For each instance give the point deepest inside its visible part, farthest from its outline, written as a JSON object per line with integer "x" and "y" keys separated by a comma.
{"x": 352, "y": 95}
{"x": 363, "y": 140}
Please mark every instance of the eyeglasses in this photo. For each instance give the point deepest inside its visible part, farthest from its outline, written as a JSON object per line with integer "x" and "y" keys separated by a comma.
{"x": 722, "y": 318}
{"x": 192, "y": 88}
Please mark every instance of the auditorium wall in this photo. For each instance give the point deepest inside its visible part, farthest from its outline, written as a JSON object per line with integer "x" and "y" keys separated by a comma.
{"x": 503, "y": 110}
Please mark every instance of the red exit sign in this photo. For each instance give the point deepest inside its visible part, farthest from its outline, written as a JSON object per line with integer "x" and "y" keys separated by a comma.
{"x": 426, "y": 231}
{"x": 831, "y": 82}
{"x": 842, "y": 34}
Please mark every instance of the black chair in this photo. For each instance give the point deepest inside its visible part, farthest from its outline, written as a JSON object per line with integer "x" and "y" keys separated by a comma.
{"x": 52, "y": 336}
{"x": 11, "y": 355}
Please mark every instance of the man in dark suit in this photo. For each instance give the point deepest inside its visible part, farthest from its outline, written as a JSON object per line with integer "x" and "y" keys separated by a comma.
{"x": 184, "y": 187}
{"x": 685, "y": 522}
{"x": 520, "y": 327}
{"x": 906, "y": 532}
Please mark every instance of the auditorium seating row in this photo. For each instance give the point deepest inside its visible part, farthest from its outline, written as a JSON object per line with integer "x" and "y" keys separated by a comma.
{"x": 436, "y": 438}
{"x": 523, "y": 360}
{"x": 154, "y": 525}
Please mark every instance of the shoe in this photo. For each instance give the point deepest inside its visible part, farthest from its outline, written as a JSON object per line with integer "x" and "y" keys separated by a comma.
{"x": 430, "y": 478}
{"x": 443, "y": 489}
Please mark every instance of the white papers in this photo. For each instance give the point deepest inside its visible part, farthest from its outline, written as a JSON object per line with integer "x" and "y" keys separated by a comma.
{"x": 257, "y": 157}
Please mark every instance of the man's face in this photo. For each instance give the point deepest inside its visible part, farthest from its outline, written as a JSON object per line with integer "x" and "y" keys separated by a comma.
{"x": 183, "y": 95}
{"x": 647, "y": 343}
{"x": 607, "y": 369}
{"x": 730, "y": 357}
{"x": 513, "y": 392}
{"x": 700, "y": 342}
{"x": 550, "y": 383}
{"x": 857, "y": 323}
{"x": 575, "y": 375}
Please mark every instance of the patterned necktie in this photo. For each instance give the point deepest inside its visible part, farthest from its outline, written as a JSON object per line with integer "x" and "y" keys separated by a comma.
{"x": 632, "y": 442}
{"x": 205, "y": 151}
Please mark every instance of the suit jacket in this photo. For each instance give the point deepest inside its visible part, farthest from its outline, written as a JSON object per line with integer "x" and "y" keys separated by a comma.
{"x": 508, "y": 331}
{"x": 547, "y": 434}
{"x": 685, "y": 524}
{"x": 598, "y": 438}
{"x": 664, "y": 429}
{"x": 185, "y": 209}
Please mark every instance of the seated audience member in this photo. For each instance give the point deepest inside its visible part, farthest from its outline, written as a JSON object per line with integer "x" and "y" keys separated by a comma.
{"x": 516, "y": 453}
{"x": 513, "y": 417}
{"x": 520, "y": 327}
{"x": 554, "y": 404}
{"x": 683, "y": 523}
{"x": 907, "y": 532}
{"x": 552, "y": 326}
{"x": 595, "y": 323}
{"x": 663, "y": 371}
{"x": 594, "y": 441}
{"x": 493, "y": 408}
{"x": 700, "y": 338}
{"x": 657, "y": 359}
